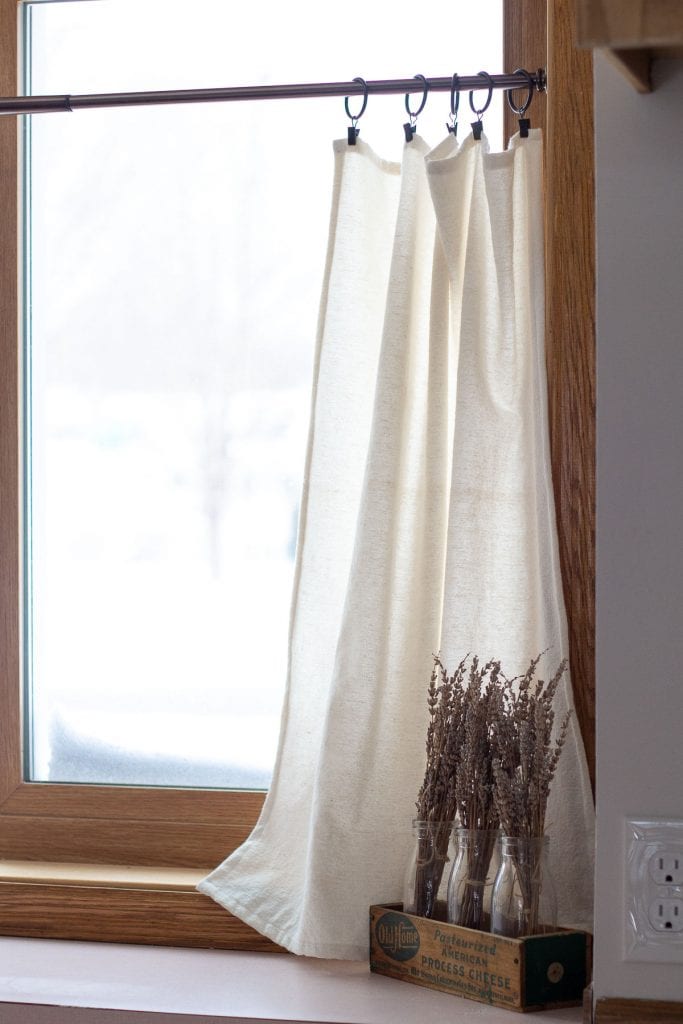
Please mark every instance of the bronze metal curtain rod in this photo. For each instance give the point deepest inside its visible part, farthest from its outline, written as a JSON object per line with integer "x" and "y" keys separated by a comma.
{"x": 461, "y": 83}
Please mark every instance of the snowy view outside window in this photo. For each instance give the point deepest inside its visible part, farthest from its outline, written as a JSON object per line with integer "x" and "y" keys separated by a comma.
{"x": 174, "y": 259}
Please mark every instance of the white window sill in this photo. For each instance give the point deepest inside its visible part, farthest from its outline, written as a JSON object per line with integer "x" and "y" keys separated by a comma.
{"x": 44, "y": 981}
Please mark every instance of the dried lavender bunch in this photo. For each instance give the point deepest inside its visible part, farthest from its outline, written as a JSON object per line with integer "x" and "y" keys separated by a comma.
{"x": 490, "y": 760}
{"x": 459, "y": 777}
{"x": 474, "y": 786}
{"x": 524, "y": 754}
{"x": 524, "y": 763}
{"x": 436, "y": 802}
{"x": 474, "y": 782}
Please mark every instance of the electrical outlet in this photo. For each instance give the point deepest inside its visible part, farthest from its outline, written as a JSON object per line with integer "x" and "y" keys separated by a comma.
{"x": 653, "y": 918}
{"x": 666, "y": 915}
{"x": 666, "y": 866}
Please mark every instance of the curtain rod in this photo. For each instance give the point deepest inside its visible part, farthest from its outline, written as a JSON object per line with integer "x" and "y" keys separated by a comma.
{"x": 49, "y": 104}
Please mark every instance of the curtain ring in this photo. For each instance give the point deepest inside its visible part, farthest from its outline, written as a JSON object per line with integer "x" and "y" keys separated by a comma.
{"x": 455, "y": 96}
{"x": 489, "y": 81}
{"x": 413, "y": 113}
{"x": 521, "y": 111}
{"x": 356, "y": 117}
{"x": 452, "y": 123}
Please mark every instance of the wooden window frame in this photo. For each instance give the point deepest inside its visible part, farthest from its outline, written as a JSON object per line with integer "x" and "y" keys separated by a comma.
{"x": 121, "y": 863}
{"x": 534, "y": 27}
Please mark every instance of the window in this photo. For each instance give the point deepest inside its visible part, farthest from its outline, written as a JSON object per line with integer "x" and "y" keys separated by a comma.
{"x": 168, "y": 365}
{"x": 168, "y": 358}
{"x": 95, "y": 861}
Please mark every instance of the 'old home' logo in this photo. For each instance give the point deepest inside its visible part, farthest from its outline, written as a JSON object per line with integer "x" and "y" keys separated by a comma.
{"x": 398, "y": 936}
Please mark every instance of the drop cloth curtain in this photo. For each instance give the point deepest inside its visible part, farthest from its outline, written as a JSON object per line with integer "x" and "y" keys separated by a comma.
{"x": 427, "y": 525}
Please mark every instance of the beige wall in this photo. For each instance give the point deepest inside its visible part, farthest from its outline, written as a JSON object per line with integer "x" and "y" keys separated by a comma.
{"x": 639, "y": 171}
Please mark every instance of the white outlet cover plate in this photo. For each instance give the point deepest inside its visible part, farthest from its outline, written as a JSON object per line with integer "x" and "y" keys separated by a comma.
{"x": 645, "y": 839}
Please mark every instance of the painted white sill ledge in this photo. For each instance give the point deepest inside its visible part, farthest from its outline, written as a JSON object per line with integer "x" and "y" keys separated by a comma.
{"x": 46, "y": 981}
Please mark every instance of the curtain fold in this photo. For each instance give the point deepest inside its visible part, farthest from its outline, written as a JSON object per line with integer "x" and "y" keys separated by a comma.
{"x": 427, "y": 524}
{"x": 503, "y": 596}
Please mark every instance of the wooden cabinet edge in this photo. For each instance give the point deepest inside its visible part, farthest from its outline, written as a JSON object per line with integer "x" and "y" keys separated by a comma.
{"x": 629, "y": 41}
{"x": 647, "y": 24}
{"x": 635, "y": 65}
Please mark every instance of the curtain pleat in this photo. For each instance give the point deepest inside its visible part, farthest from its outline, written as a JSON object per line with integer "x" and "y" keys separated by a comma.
{"x": 427, "y": 524}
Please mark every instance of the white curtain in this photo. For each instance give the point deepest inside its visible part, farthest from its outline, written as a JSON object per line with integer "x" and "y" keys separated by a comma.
{"x": 427, "y": 525}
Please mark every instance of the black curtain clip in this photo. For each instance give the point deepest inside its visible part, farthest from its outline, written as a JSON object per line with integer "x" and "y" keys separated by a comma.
{"x": 478, "y": 125}
{"x": 410, "y": 127}
{"x": 352, "y": 132}
{"x": 524, "y": 122}
{"x": 452, "y": 123}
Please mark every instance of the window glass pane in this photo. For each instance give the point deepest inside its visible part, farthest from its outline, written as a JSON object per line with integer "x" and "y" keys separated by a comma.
{"x": 174, "y": 258}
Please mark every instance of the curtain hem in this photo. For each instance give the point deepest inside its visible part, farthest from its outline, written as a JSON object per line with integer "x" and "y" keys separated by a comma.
{"x": 283, "y": 937}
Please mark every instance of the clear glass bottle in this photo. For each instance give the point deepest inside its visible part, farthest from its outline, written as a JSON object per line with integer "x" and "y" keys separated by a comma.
{"x": 426, "y": 881}
{"x": 524, "y": 900}
{"x": 470, "y": 886}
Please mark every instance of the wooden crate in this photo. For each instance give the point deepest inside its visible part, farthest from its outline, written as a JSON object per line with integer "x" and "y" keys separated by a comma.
{"x": 532, "y": 973}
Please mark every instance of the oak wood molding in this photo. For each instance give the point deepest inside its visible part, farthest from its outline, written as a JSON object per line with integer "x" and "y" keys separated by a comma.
{"x": 131, "y": 802}
{"x": 637, "y": 1011}
{"x": 115, "y": 876}
{"x": 118, "y": 903}
{"x": 545, "y": 37}
{"x": 132, "y": 915}
{"x": 570, "y": 334}
{"x": 84, "y": 840}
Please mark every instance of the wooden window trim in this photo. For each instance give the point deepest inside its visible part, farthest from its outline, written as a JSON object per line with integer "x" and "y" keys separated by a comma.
{"x": 125, "y": 829}
{"x": 566, "y": 115}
